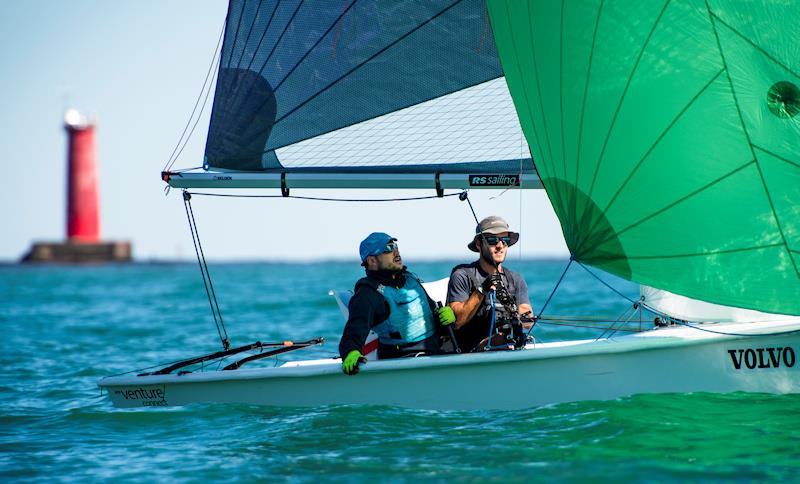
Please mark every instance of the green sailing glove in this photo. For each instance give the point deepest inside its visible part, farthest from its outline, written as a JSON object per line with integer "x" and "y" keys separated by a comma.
{"x": 350, "y": 363}
{"x": 446, "y": 315}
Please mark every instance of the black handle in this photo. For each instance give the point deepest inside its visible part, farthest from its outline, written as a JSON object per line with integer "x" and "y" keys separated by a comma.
{"x": 450, "y": 330}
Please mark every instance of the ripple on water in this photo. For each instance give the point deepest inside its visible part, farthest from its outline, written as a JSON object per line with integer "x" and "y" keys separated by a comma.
{"x": 66, "y": 327}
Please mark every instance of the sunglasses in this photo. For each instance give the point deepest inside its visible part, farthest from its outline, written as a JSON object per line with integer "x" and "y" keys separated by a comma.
{"x": 493, "y": 240}
{"x": 390, "y": 247}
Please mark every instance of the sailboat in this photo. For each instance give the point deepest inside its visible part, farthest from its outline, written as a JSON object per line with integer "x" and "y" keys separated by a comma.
{"x": 665, "y": 134}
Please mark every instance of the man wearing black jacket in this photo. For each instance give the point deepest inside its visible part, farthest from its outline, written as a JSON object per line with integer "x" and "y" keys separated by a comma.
{"x": 391, "y": 302}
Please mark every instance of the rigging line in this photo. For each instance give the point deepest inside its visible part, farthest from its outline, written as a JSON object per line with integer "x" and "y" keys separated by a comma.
{"x": 199, "y": 116}
{"x": 202, "y": 272}
{"x": 552, "y": 293}
{"x": 617, "y": 110}
{"x": 469, "y": 202}
{"x": 311, "y": 49}
{"x": 217, "y": 52}
{"x": 249, "y": 33}
{"x": 367, "y": 60}
{"x": 749, "y": 141}
{"x": 623, "y": 318}
{"x": 683, "y": 323}
{"x": 158, "y": 365}
{"x": 671, "y": 205}
{"x": 323, "y": 199}
{"x": 186, "y": 170}
{"x": 650, "y": 150}
{"x": 236, "y": 33}
{"x": 724, "y": 333}
{"x": 521, "y": 154}
{"x": 226, "y": 341}
{"x": 583, "y": 112}
{"x": 263, "y": 35}
{"x": 569, "y": 325}
{"x": 775, "y": 155}
{"x": 201, "y": 260}
{"x": 607, "y": 284}
{"x": 573, "y": 317}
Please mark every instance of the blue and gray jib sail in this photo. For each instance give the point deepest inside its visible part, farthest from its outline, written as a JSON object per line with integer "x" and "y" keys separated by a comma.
{"x": 369, "y": 93}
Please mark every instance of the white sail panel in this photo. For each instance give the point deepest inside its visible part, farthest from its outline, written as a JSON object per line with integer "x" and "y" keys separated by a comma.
{"x": 477, "y": 124}
{"x": 689, "y": 309}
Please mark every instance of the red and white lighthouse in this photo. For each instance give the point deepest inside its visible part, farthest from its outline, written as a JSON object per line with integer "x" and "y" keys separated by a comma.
{"x": 83, "y": 243}
{"x": 83, "y": 225}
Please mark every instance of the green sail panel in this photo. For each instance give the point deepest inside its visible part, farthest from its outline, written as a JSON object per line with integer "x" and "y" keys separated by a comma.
{"x": 667, "y": 136}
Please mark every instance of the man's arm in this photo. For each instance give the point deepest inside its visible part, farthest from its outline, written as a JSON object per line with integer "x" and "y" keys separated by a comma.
{"x": 523, "y": 300}
{"x": 463, "y": 298}
{"x": 363, "y": 306}
{"x": 465, "y": 310}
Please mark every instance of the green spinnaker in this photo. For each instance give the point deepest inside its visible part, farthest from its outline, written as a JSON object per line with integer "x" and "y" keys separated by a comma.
{"x": 667, "y": 136}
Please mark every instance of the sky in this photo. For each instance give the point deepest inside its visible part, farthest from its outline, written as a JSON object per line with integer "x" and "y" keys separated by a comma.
{"x": 138, "y": 66}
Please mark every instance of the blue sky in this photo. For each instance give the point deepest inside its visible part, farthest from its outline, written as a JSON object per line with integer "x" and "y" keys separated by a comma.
{"x": 138, "y": 67}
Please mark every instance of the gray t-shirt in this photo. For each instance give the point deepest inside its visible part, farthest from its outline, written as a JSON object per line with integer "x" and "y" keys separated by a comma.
{"x": 465, "y": 279}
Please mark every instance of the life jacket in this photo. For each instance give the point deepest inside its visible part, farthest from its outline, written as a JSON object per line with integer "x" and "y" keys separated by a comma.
{"x": 410, "y": 316}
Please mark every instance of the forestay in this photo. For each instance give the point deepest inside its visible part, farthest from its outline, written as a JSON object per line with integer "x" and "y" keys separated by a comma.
{"x": 666, "y": 135}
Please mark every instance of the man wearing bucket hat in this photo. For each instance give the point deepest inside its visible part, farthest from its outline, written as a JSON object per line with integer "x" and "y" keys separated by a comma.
{"x": 468, "y": 291}
{"x": 391, "y": 302}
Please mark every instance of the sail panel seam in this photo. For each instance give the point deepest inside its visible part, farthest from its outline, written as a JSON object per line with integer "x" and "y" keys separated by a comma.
{"x": 619, "y": 108}
{"x": 524, "y": 89}
{"x": 359, "y": 121}
{"x": 236, "y": 33}
{"x": 309, "y": 51}
{"x": 272, "y": 51}
{"x": 692, "y": 254}
{"x": 775, "y": 155}
{"x": 753, "y": 44}
{"x": 263, "y": 36}
{"x": 249, "y": 33}
{"x": 369, "y": 59}
{"x": 583, "y": 110}
{"x": 541, "y": 100}
{"x": 545, "y": 161}
{"x": 653, "y": 147}
{"x": 525, "y": 96}
{"x": 561, "y": 107}
{"x": 749, "y": 141}
{"x": 671, "y": 205}
{"x": 280, "y": 38}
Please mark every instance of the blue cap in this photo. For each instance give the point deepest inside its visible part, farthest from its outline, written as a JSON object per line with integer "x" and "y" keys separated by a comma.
{"x": 374, "y": 244}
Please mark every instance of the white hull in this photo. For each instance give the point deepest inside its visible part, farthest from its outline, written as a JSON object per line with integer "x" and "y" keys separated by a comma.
{"x": 669, "y": 360}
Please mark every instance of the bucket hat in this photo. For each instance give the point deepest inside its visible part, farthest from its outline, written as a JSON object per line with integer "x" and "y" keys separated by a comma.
{"x": 492, "y": 225}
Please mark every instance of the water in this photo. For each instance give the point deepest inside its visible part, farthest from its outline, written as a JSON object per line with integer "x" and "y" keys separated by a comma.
{"x": 66, "y": 327}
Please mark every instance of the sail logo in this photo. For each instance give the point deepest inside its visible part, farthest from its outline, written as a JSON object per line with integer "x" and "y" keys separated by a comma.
{"x": 763, "y": 358}
{"x": 152, "y": 397}
{"x": 493, "y": 180}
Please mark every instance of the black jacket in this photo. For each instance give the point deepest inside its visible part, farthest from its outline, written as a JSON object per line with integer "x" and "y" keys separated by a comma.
{"x": 368, "y": 308}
